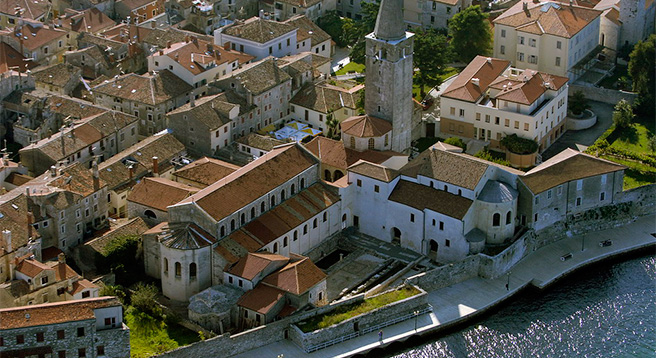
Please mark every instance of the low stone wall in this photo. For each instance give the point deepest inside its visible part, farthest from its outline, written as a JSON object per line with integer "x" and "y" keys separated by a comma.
{"x": 324, "y": 248}
{"x": 521, "y": 160}
{"x": 494, "y": 266}
{"x": 578, "y": 124}
{"x": 365, "y": 322}
{"x": 447, "y": 275}
{"x": 604, "y": 95}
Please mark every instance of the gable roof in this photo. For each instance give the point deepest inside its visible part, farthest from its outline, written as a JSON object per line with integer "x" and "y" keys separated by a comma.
{"x": 566, "y": 166}
{"x": 423, "y": 197}
{"x": 296, "y": 277}
{"x": 34, "y": 35}
{"x": 365, "y": 126}
{"x": 336, "y": 154}
{"x": 258, "y": 141}
{"x": 453, "y": 168}
{"x": 9, "y": 57}
{"x": 261, "y": 299}
{"x": 58, "y": 74}
{"x": 260, "y": 76}
{"x": 206, "y": 171}
{"x": 552, "y": 18}
{"x": 374, "y": 171}
{"x": 211, "y": 111}
{"x": 252, "y": 181}
{"x": 258, "y": 30}
{"x": 527, "y": 87}
{"x": 133, "y": 227}
{"x": 252, "y": 264}
{"x": 308, "y": 29}
{"x": 486, "y": 69}
{"x": 195, "y": 55}
{"x": 325, "y": 98}
{"x": 89, "y": 20}
{"x": 13, "y": 217}
{"x": 31, "y": 267}
{"x": 33, "y": 9}
{"x": 159, "y": 193}
{"x": 146, "y": 89}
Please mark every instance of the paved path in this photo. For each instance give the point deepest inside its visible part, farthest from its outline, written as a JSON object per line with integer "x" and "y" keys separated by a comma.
{"x": 459, "y": 302}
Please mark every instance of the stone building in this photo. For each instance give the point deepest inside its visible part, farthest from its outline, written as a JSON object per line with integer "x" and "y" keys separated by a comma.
{"x": 432, "y": 14}
{"x": 136, "y": 11}
{"x": 18, "y": 238}
{"x": 86, "y": 328}
{"x": 259, "y": 37}
{"x": 567, "y": 184}
{"x": 367, "y": 133}
{"x": 58, "y": 78}
{"x": 257, "y": 145}
{"x": 204, "y": 172}
{"x": 43, "y": 43}
{"x": 389, "y": 73}
{"x": 150, "y": 198}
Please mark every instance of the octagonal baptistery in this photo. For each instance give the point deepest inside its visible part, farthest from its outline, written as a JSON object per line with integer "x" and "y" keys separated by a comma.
{"x": 497, "y": 208}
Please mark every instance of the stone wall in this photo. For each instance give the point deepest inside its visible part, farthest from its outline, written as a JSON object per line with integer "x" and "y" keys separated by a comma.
{"x": 325, "y": 248}
{"x": 447, "y": 275}
{"x": 603, "y": 94}
{"x": 495, "y": 266}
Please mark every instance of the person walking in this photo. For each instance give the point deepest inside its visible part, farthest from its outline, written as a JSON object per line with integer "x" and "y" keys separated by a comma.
{"x": 380, "y": 336}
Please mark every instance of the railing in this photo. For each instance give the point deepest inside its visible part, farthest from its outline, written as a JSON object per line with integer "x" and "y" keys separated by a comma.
{"x": 364, "y": 331}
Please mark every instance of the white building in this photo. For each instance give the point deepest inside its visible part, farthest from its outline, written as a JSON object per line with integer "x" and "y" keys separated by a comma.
{"x": 490, "y": 100}
{"x": 547, "y": 36}
{"x": 259, "y": 37}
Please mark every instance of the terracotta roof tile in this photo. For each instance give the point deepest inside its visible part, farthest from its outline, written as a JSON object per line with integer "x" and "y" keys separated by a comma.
{"x": 464, "y": 89}
{"x": 153, "y": 90}
{"x": 439, "y": 164}
{"x": 185, "y": 236}
{"x": 258, "y": 29}
{"x": 252, "y": 264}
{"x": 258, "y": 141}
{"x": 423, "y": 197}
{"x": 57, "y": 75}
{"x": 53, "y": 313}
{"x": 90, "y": 20}
{"x": 308, "y": 29}
{"x": 296, "y": 277}
{"x": 34, "y": 9}
{"x": 31, "y": 267}
{"x": 261, "y": 299}
{"x": 159, "y": 193}
{"x": 374, "y": 171}
{"x": 365, "y": 126}
{"x": 325, "y": 98}
{"x": 35, "y": 35}
{"x": 334, "y": 153}
{"x": 205, "y": 171}
{"x": 566, "y": 166}
{"x": 195, "y": 56}
{"x": 260, "y": 76}
{"x": 134, "y": 227}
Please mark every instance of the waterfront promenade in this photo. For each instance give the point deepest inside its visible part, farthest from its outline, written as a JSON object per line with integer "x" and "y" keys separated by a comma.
{"x": 463, "y": 301}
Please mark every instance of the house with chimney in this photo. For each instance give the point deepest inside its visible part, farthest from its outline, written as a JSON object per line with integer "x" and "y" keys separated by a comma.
{"x": 150, "y": 198}
{"x": 490, "y": 100}
{"x": 310, "y": 37}
{"x": 260, "y": 37}
{"x": 203, "y": 172}
{"x": 60, "y": 78}
{"x": 12, "y": 11}
{"x": 19, "y": 238}
{"x": 156, "y": 156}
{"x": 44, "y": 44}
{"x": 90, "y": 20}
{"x": 138, "y": 11}
{"x": 100, "y": 136}
{"x": 148, "y": 97}
{"x": 197, "y": 62}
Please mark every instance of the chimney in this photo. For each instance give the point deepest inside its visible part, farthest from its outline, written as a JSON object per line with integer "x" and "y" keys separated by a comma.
{"x": 155, "y": 166}
{"x": 194, "y": 39}
{"x": 61, "y": 258}
{"x": 53, "y": 171}
{"x": 186, "y": 39}
{"x": 226, "y": 45}
{"x": 192, "y": 100}
{"x": 153, "y": 24}
{"x": 6, "y": 238}
{"x": 525, "y": 6}
{"x": 210, "y": 48}
{"x": 177, "y": 57}
{"x": 261, "y": 14}
{"x": 131, "y": 171}
{"x": 30, "y": 221}
{"x": 476, "y": 81}
{"x": 96, "y": 176}
{"x": 489, "y": 60}
{"x": 168, "y": 44}
{"x": 161, "y": 53}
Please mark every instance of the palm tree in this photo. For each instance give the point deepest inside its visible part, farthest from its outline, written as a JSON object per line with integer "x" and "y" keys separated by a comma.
{"x": 333, "y": 126}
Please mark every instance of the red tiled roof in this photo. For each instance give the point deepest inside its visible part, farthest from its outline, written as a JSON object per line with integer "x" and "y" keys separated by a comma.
{"x": 53, "y": 313}
{"x": 254, "y": 263}
{"x": 366, "y": 126}
{"x": 261, "y": 299}
{"x": 296, "y": 277}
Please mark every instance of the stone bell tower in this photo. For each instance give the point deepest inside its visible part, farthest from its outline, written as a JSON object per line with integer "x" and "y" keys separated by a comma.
{"x": 388, "y": 82}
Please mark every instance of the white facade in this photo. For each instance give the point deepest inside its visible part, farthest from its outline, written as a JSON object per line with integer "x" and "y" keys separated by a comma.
{"x": 281, "y": 46}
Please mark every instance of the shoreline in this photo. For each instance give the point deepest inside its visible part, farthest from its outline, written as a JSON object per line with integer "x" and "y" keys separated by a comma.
{"x": 466, "y": 301}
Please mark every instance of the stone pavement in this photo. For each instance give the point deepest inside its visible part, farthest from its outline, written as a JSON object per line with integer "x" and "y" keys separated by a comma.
{"x": 459, "y": 302}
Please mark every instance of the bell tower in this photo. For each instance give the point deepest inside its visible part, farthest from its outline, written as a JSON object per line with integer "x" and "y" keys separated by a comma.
{"x": 388, "y": 82}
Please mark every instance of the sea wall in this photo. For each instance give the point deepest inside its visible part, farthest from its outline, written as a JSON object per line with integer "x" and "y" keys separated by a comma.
{"x": 447, "y": 275}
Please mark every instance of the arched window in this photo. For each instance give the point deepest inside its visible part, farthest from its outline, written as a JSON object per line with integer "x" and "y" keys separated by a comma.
{"x": 371, "y": 143}
{"x": 353, "y": 142}
{"x": 386, "y": 140}
{"x": 295, "y": 235}
{"x": 262, "y": 207}
{"x": 282, "y": 195}
{"x": 192, "y": 271}
{"x": 273, "y": 201}
{"x": 222, "y": 231}
{"x": 232, "y": 225}
{"x": 433, "y": 246}
{"x": 275, "y": 247}
{"x": 166, "y": 266}
{"x": 178, "y": 269}
{"x": 305, "y": 229}
{"x": 431, "y": 184}
{"x": 285, "y": 242}
{"x": 293, "y": 191}
{"x": 326, "y": 175}
{"x": 243, "y": 219}
{"x": 325, "y": 216}
{"x": 496, "y": 219}
{"x": 446, "y": 188}
{"x": 302, "y": 183}
{"x": 344, "y": 218}
{"x": 314, "y": 224}
{"x": 252, "y": 213}
{"x": 459, "y": 192}
{"x": 338, "y": 175}
{"x": 150, "y": 214}
{"x": 508, "y": 217}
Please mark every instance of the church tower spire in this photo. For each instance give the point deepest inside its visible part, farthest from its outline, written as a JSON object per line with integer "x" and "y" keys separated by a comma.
{"x": 388, "y": 81}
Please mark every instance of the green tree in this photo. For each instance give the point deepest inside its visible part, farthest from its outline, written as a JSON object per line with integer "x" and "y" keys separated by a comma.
{"x": 641, "y": 69}
{"x": 362, "y": 28}
{"x": 121, "y": 256}
{"x": 578, "y": 103}
{"x": 144, "y": 299}
{"x": 113, "y": 290}
{"x": 652, "y": 143}
{"x": 332, "y": 23}
{"x": 456, "y": 141}
{"x": 471, "y": 34}
{"x": 623, "y": 114}
{"x": 431, "y": 55}
{"x": 333, "y": 126}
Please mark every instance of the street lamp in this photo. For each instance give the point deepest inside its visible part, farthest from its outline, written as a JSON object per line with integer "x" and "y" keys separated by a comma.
{"x": 416, "y": 317}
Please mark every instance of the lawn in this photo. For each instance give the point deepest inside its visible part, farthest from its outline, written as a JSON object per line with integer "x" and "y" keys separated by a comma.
{"x": 637, "y": 174}
{"x": 348, "y": 311}
{"x": 634, "y": 138}
{"x": 448, "y": 72}
{"x": 151, "y": 336}
{"x": 350, "y": 67}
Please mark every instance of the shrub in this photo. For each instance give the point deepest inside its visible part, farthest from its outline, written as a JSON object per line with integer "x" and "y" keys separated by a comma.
{"x": 486, "y": 155}
{"x": 519, "y": 145}
{"x": 121, "y": 257}
{"x": 457, "y": 142}
{"x": 144, "y": 299}
{"x": 623, "y": 114}
{"x": 578, "y": 103}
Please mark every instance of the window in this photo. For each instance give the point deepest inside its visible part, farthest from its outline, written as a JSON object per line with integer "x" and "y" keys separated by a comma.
{"x": 305, "y": 229}
{"x": 447, "y": 243}
{"x": 559, "y": 44}
{"x": 507, "y": 122}
{"x": 39, "y": 336}
{"x": 412, "y": 218}
{"x": 579, "y": 184}
{"x": 558, "y": 61}
{"x": 531, "y": 42}
{"x": 502, "y": 49}
{"x": 81, "y": 352}
{"x": 285, "y": 241}
{"x": 462, "y": 112}
{"x": 80, "y": 331}
{"x": 578, "y": 201}
{"x": 61, "y": 334}
{"x": 315, "y": 223}
{"x": 192, "y": 271}
{"x": 533, "y": 59}
{"x": 275, "y": 251}
{"x": 441, "y": 225}
{"x": 295, "y": 235}
{"x": 526, "y": 125}
{"x": 503, "y": 33}
{"x": 549, "y": 194}
{"x": 508, "y": 218}
{"x": 178, "y": 269}
{"x": 520, "y": 56}
{"x": 453, "y": 111}
{"x": 61, "y": 354}
{"x": 602, "y": 196}
{"x": 487, "y": 118}
{"x": 478, "y": 116}
{"x": 559, "y": 191}
{"x": 496, "y": 219}
{"x": 371, "y": 144}
{"x": 603, "y": 179}
{"x": 20, "y": 339}
{"x": 537, "y": 200}
{"x": 44, "y": 280}
{"x": 376, "y": 188}
{"x": 100, "y": 350}
{"x": 358, "y": 182}
{"x": 516, "y": 124}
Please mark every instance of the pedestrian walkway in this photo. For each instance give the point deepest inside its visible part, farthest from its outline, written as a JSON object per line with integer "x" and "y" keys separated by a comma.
{"x": 460, "y": 302}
